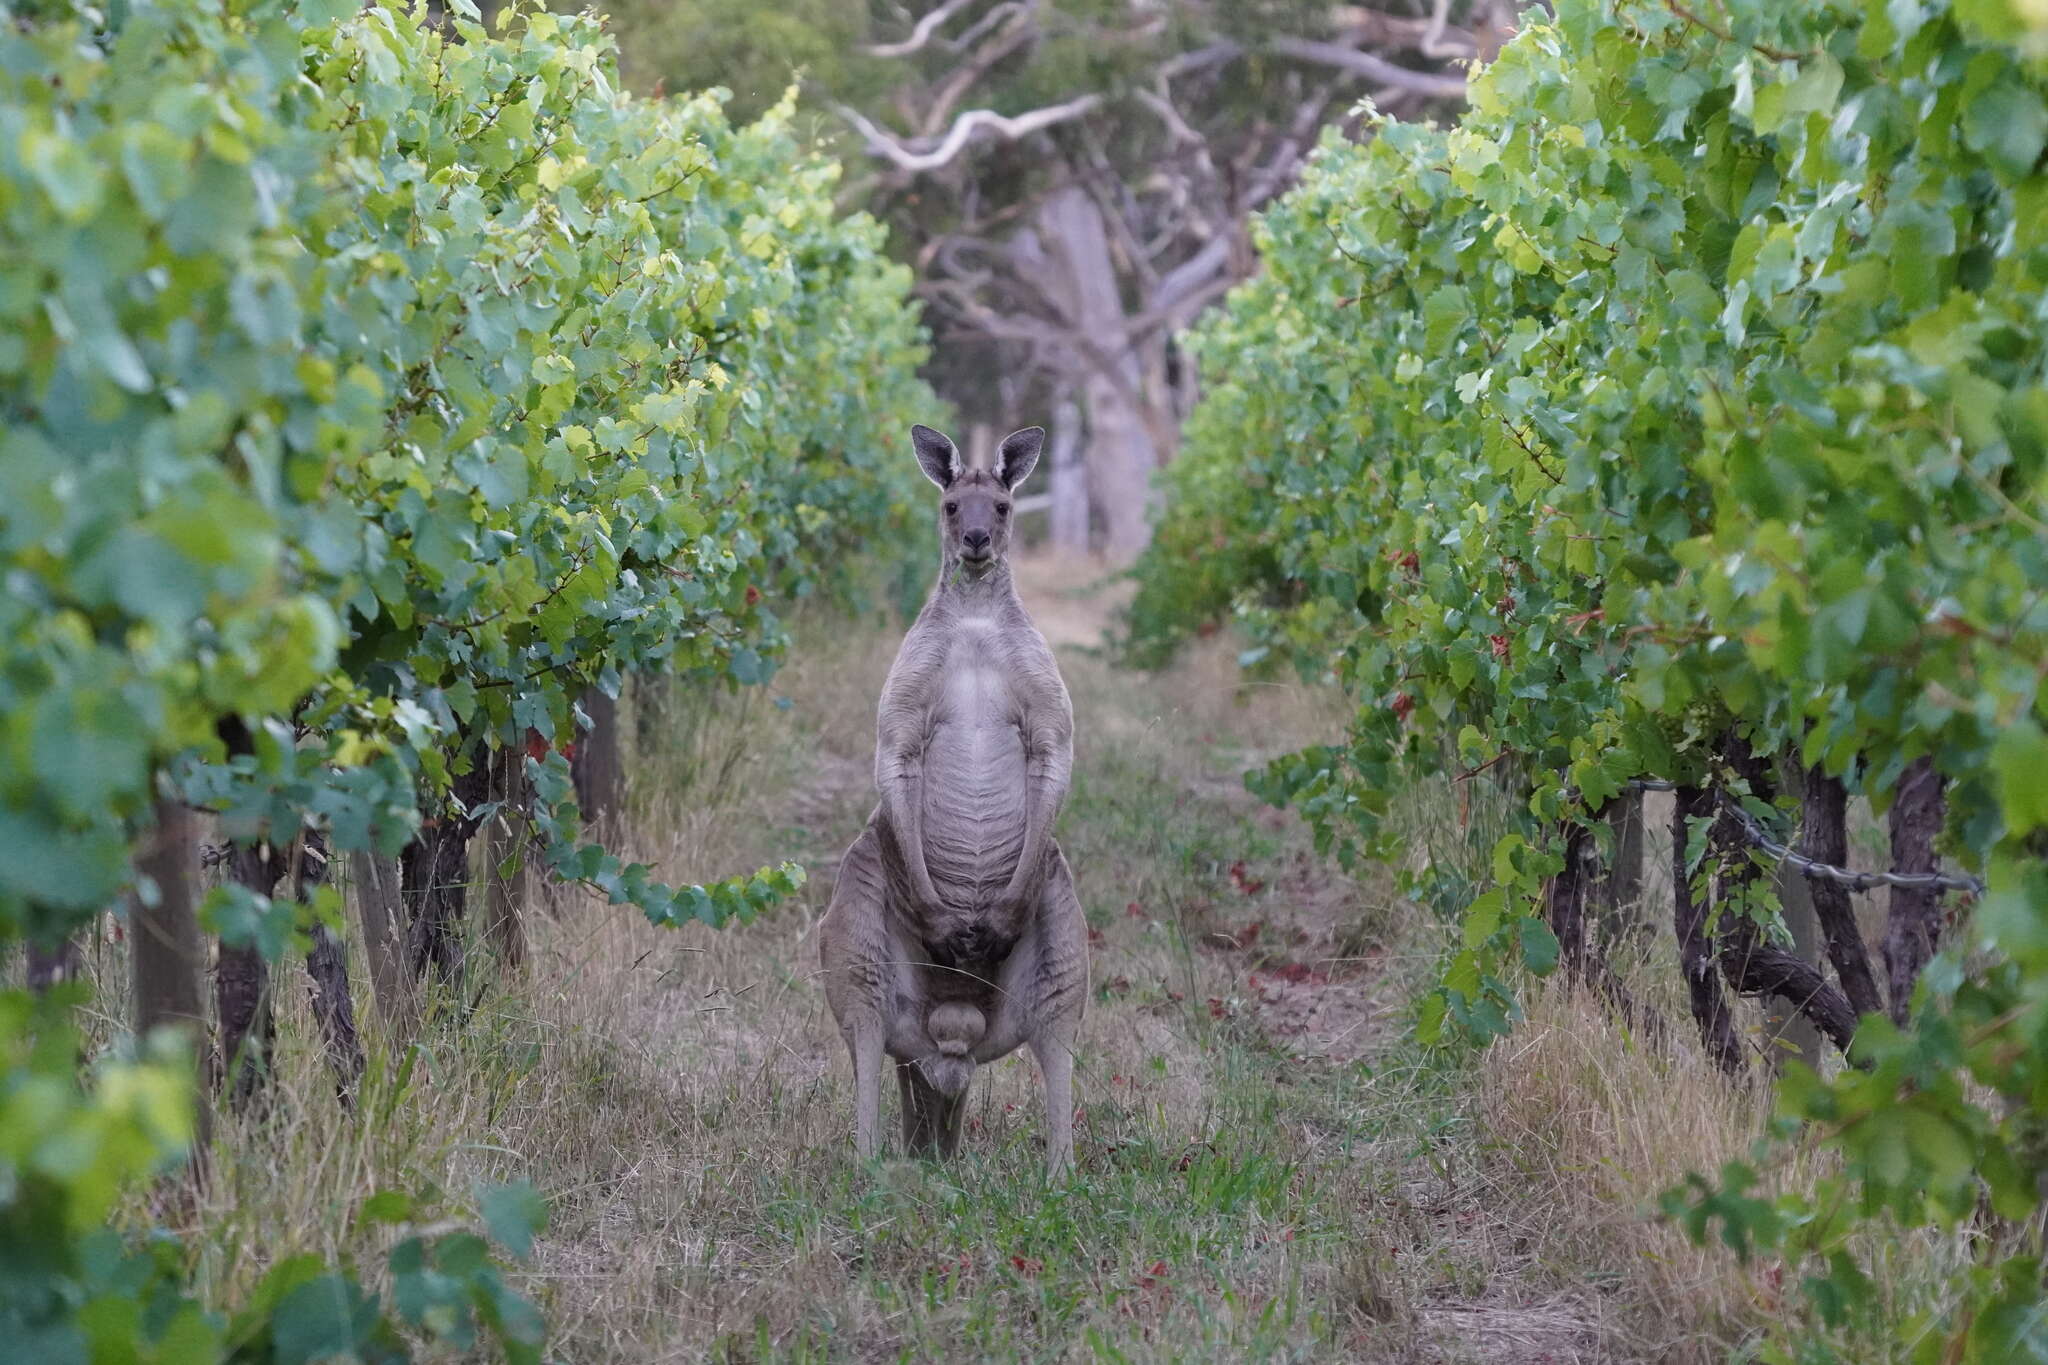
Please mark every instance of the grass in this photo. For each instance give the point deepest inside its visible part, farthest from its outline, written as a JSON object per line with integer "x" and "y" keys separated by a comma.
{"x": 1268, "y": 1168}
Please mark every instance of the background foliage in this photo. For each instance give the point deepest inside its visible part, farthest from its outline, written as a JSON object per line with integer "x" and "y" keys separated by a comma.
{"x": 370, "y": 387}
{"x": 1693, "y": 386}
{"x": 381, "y": 387}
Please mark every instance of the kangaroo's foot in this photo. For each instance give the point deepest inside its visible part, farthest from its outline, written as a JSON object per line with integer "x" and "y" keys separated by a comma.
{"x": 931, "y": 1118}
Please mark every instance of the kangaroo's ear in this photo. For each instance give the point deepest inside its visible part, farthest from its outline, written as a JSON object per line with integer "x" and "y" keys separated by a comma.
{"x": 936, "y": 456}
{"x": 1017, "y": 454}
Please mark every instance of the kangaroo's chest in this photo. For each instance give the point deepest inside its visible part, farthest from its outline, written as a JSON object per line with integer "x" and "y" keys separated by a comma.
{"x": 976, "y": 717}
{"x": 974, "y": 763}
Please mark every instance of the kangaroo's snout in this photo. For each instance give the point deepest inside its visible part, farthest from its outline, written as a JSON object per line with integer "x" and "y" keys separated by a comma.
{"x": 975, "y": 542}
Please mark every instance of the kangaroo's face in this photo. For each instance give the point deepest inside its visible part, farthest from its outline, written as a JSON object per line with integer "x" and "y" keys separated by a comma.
{"x": 975, "y": 505}
{"x": 974, "y": 520}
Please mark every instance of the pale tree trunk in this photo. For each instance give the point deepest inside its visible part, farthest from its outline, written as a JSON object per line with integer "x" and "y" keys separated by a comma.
{"x": 980, "y": 447}
{"x": 1068, "y": 481}
{"x": 1122, "y": 448}
{"x": 1120, "y": 465}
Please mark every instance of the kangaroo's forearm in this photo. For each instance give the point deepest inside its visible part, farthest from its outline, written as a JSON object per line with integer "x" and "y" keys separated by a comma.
{"x": 1045, "y": 790}
{"x": 903, "y": 804}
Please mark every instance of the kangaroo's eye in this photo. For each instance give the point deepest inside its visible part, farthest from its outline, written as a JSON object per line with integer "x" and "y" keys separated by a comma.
{"x": 1002, "y": 509}
{"x": 951, "y": 508}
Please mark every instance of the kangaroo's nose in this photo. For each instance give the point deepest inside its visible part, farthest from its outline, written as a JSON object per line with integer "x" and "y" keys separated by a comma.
{"x": 976, "y": 541}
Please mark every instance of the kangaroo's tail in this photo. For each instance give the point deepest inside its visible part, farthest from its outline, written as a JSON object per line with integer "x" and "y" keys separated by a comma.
{"x": 956, "y": 1028}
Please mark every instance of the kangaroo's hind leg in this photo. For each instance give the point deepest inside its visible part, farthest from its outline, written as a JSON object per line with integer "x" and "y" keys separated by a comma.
{"x": 859, "y": 966}
{"x": 1058, "y": 985}
{"x": 931, "y": 1118}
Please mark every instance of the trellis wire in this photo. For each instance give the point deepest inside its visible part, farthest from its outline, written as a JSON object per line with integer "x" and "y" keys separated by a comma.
{"x": 1753, "y": 829}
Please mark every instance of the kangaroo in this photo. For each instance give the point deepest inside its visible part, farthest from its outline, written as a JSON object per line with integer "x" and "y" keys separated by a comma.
{"x": 954, "y": 935}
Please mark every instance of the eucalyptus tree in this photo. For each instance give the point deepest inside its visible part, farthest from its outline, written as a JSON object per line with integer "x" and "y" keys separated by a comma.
{"x": 1073, "y": 179}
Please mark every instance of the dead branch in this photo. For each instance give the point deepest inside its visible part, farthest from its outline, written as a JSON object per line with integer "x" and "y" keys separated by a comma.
{"x": 922, "y": 34}
{"x": 1012, "y": 35}
{"x": 1371, "y": 67}
{"x": 917, "y": 155}
{"x": 1176, "y": 127}
{"x": 1433, "y": 37}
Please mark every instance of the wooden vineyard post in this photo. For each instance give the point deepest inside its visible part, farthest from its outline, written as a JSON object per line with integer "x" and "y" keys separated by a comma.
{"x": 1913, "y": 926}
{"x": 434, "y": 875}
{"x": 1709, "y": 1002}
{"x": 1825, "y": 820}
{"x": 597, "y": 768}
{"x": 168, "y": 955}
{"x": 327, "y": 966}
{"x": 503, "y": 836}
{"x": 1751, "y": 966}
{"x": 381, "y": 915}
{"x": 241, "y": 987}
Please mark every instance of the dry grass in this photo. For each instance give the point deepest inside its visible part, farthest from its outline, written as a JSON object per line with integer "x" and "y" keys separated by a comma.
{"x": 1580, "y": 1130}
{"x": 1267, "y": 1168}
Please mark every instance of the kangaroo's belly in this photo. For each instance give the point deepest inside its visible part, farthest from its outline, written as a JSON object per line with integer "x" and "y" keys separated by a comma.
{"x": 973, "y": 808}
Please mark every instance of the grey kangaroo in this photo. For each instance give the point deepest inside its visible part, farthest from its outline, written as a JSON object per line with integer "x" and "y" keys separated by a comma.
{"x": 954, "y": 935}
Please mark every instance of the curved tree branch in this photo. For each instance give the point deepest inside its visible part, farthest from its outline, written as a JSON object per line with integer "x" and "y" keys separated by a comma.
{"x": 917, "y": 155}
{"x": 922, "y": 34}
{"x": 1013, "y": 34}
{"x": 1433, "y": 44}
{"x": 1371, "y": 67}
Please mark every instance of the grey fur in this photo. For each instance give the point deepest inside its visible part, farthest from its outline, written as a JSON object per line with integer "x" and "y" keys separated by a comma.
{"x": 954, "y": 935}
